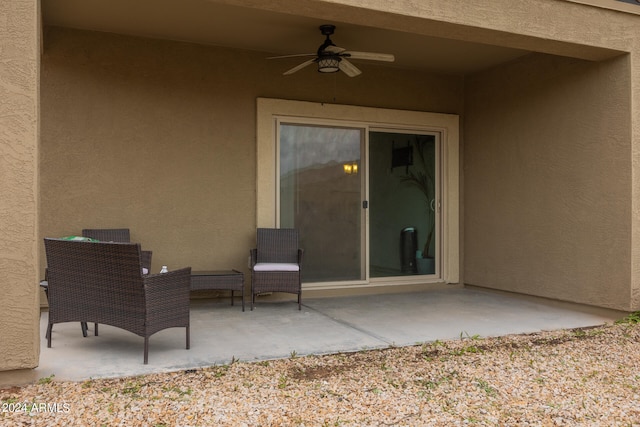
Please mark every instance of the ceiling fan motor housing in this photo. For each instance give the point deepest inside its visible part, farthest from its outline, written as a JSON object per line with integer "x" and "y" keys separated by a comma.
{"x": 327, "y": 29}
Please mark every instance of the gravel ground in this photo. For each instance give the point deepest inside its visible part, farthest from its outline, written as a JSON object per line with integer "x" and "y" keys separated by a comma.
{"x": 563, "y": 378}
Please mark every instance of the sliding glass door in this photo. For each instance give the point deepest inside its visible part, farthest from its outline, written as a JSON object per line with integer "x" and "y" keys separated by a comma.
{"x": 404, "y": 208}
{"x": 321, "y": 194}
{"x": 366, "y": 201}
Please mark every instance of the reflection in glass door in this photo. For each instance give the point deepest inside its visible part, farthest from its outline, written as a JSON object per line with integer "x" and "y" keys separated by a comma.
{"x": 403, "y": 196}
{"x": 320, "y": 193}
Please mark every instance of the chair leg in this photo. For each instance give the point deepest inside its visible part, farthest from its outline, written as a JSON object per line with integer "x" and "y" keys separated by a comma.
{"x": 299, "y": 300}
{"x": 231, "y": 297}
{"x": 188, "y": 338}
{"x": 95, "y": 329}
{"x": 253, "y": 294}
{"x": 146, "y": 350}
{"x": 48, "y": 335}
{"x": 85, "y": 328}
{"x": 50, "y": 326}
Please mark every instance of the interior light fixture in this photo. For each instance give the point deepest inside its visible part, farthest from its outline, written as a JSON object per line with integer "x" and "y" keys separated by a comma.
{"x": 329, "y": 64}
{"x": 350, "y": 168}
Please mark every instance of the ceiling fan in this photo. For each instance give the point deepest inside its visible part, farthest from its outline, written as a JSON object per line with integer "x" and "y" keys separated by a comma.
{"x": 331, "y": 58}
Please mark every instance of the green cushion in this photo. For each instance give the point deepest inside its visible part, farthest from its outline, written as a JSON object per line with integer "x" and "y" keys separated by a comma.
{"x": 79, "y": 238}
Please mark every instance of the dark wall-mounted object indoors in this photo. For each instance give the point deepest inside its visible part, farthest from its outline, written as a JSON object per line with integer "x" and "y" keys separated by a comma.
{"x": 402, "y": 156}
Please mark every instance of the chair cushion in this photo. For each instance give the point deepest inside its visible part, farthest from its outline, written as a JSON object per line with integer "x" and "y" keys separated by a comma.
{"x": 79, "y": 238}
{"x": 275, "y": 266}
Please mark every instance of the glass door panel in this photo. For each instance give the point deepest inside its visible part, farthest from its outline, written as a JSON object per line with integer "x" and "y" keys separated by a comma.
{"x": 320, "y": 185}
{"x": 403, "y": 222}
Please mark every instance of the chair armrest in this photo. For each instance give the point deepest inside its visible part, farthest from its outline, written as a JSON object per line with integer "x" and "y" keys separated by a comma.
{"x": 253, "y": 253}
{"x": 300, "y": 254}
{"x": 174, "y": 284}
{"x": 166, "y": 299}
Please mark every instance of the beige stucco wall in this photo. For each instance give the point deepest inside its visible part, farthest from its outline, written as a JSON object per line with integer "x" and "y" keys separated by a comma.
{"x": 19, "y": 316}
{"x": 160, "y": 137}
{"x": 548, "y": 178}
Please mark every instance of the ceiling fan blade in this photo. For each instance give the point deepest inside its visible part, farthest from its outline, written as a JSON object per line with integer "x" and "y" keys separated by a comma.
{"x": 348, "y": 68}
{"x": 299, "y": 67}
{"x": 372, "y": 56}
{"x": 334, "y": 49}
{"x": 296, "y": 55}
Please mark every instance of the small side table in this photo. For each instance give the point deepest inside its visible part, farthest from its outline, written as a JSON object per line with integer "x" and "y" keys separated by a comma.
{"x": 229, "y": 280}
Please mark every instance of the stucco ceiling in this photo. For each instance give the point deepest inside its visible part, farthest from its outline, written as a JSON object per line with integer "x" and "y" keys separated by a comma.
{"x": 208, "y": 22}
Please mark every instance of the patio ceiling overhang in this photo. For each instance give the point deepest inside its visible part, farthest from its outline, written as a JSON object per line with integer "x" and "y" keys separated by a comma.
{"x": 282, "y": 27}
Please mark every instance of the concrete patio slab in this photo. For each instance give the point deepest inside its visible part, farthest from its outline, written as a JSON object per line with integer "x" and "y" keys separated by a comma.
{"x": 221, "y": 333}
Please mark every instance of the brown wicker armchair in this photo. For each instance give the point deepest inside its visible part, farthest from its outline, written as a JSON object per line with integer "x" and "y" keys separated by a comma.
{"x": 121, "y": 235}
{"x": 276, "y": 263}
{"x": 117, "y": 235}
{"x": 103, "y": 283}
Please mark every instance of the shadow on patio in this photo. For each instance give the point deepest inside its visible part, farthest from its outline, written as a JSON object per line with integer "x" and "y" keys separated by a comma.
{"x": 221, "y": 333}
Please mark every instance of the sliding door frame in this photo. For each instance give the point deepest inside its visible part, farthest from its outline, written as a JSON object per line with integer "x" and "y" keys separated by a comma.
{"x": 271, "y": 111}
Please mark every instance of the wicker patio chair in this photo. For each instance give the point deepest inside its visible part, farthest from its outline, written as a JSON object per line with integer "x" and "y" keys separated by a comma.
{"x": 117, "y": 235}
{"x": 276, "y": 263}
{"x": 102, "y": 282}
{"x": 122, "y": 235}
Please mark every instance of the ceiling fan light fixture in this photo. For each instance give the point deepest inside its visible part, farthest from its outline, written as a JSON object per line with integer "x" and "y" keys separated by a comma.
{"x": 329, "y": 64}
